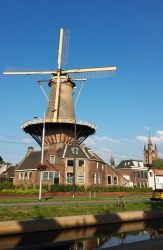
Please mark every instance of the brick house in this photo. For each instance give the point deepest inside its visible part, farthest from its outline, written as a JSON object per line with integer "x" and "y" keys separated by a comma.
{"x": 90, "y": 169}
{"x": 136, "y": 170}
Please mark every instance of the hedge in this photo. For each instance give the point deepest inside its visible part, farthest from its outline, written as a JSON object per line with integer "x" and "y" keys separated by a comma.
{"x": 8, "y": 187}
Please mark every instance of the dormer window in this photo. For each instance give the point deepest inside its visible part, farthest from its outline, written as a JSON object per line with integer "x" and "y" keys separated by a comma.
{"x": 91, "y": 152}
{"x": 76, "y": 150}
{"x": 52, "y": 159}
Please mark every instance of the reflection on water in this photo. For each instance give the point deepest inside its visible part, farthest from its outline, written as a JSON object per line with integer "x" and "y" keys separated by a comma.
{"x": 85, "y": 238}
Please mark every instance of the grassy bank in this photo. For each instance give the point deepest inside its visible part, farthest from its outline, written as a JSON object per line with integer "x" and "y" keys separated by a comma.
{"x": 22, "y": 199}
{"x": 35, "y": 212}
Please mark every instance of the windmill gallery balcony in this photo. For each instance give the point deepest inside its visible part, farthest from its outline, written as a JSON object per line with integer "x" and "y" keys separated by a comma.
{"x": 61, "y": 131}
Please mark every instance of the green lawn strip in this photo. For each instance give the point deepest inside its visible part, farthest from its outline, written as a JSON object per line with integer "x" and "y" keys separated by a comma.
{"x": 64, "y": 199}
{"x": 35, "y": 212}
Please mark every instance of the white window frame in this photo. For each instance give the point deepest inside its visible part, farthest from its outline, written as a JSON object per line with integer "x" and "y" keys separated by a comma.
{"x": 110, "y": 179}
{"x": 25, "y": 175}
{"x": 91, "y": 152}
{"x": 94, "y": 178}
{"x": 67, "y": 178}
{"x": 50, "y": 175}
{"x": 115, "y": 176}
{"x": 81, "y": 177}
{"x": 102, "y": 166}
{"x": 30, "y": 175}
{"x": 52, "y": 159}
{"x": 21, "y": 175}
{"x": 96, "y": 164}
{"x": 99, "y": 178}
{"x": 67, "y": 163}
{"x": 82, "y": 165}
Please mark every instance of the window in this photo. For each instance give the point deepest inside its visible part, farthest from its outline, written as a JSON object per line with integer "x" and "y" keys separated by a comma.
{"x": 142, "y": 175}
{"x": 30, "y": 175}
{"x": 45, "y": 175}
{"x": 81, "y": 163}
{"x": 69, "y": 178}
{"x": 151, "y": 174}
{"x": 115, "y": 180}
{"x": 91, "y": 152}
{"x": 102, "y": 166}
{"x": 56, "y": 177}
{"x": 25, "y": 176}
{"x": 99, "y": 178}
{"x": 135, "y": 163}
{"x": 50, "y": 176}
{"x": 81, "y": 178}
{"x": 97, "y": 164}
{"x": 138, "y": 174}
{"x": 76, "y": 150}
{"x": 141, "y": 164}
{"x": 94, "y": 178}
{"x": 134, "y": 174}
{"x": 109, "y": 180}
{"x": 58, "y": 140}
{"x": 70, "y": 163}
{"x": 145, "y": 175}
{"x": 21, "y": 176}
{"x": 52, "y": 159}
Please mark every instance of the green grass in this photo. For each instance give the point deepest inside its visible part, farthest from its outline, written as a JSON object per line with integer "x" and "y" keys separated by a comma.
{"x": 63, "y": 199}
{"x": 35, "y": 212}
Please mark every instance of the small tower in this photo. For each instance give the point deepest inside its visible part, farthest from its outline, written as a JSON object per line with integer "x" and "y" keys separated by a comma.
{"x": 150, "y": 153}
{"x": 112, "y": 164}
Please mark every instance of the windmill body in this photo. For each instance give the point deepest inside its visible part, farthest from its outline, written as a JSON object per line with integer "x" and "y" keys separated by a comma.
{"x": 60, "y": 120}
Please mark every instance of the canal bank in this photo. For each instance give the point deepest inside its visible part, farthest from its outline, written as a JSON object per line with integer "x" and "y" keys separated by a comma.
{"x": 55, "y": 223}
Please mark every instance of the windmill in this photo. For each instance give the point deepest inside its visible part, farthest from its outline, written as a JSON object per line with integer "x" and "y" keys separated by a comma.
{"x": 60, "y": 115}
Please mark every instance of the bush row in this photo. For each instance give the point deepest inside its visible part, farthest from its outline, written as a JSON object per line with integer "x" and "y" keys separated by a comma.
{"x": 8, "y": 187}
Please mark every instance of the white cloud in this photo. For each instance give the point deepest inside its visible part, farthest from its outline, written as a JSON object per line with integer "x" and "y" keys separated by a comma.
{"x": 142, "y": 138}
{"x": 89, "y": 142}
{"x": 147, "y": 128}
{"x": 27, "y": 140}
{"x": 159, "y": 132}
{"x": 105, "y": 138}
{"x": 123, "y": 157}
{"x": 154, "y": 139}
{"x": 128, "y": 140}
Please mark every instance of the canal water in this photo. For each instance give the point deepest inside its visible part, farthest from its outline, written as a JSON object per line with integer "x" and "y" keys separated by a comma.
{"x": 86, "y": 238}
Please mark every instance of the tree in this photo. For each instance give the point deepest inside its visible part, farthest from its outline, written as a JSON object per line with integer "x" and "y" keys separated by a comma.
{"x": 1, "y": 159}
{"x": 157, "y": 163}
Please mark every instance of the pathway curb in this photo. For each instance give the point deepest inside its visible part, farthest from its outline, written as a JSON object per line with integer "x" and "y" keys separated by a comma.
{"x": 37, "y": 225}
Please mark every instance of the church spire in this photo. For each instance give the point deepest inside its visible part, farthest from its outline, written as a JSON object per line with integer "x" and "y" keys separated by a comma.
{"x": 149, "y": 140}
{"x": 112, "y": 160}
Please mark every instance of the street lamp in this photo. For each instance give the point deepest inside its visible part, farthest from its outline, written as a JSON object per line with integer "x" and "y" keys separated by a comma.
{"x": 42, "y": 158}
{"x": 73, "y": 188}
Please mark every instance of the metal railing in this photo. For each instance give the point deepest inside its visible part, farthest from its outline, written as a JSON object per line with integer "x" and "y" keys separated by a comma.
{"x": 59, "y": 120}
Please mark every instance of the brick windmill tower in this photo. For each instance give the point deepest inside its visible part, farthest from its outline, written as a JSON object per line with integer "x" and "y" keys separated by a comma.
{"x": 60, "y": 121}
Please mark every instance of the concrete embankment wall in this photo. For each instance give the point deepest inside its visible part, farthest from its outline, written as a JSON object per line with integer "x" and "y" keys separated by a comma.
{"x": 27, "y": 226}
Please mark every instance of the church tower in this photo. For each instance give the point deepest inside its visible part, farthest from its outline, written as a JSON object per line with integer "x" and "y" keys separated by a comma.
{"x": 112, "y": 164}
{"x": 150, "y": 153}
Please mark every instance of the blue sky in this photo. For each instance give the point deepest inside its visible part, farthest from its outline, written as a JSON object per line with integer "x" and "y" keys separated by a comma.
{"x": 127, "y": 34}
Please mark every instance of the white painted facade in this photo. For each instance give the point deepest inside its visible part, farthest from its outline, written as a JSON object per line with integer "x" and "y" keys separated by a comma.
{"x": 155, "y": 178}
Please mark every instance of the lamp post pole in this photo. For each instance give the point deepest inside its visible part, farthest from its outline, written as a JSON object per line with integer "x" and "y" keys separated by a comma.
{"x": 42, "y": 159}
{"x": 73, "y": 188}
